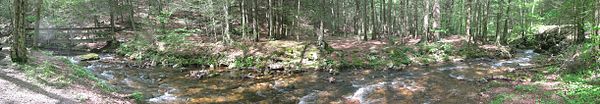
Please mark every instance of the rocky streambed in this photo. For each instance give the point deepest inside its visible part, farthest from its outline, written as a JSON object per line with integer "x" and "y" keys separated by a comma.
{"x": 454, "y": 82}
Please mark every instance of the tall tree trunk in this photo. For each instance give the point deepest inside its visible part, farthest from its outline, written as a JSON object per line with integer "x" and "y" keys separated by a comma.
{"x": 19, "y": 51}
{"x": 297, "y": 20}
{"x": 270, "y": 16}
{"x": 486, "y": 21}
{"x": 468, "y": 21}
{"x": 243, "y": 18}
{"x": 498, "y": 22}
{"x": 374, "y": 29}
{"x": 405, "y": 22}
{"x": 255, "y": 30}
{"x": 506, "y": 20}
{"x": 131, "y": 14}
{"x": 364, "y": 22}
{"x": 598, "y": 17}
{"x": 450, "y": 14}
{"x": 227, "y": 39}
{"x": 436, "y": 20}
{"x": 38, "y": 15}
{"x": 426, "y": 13}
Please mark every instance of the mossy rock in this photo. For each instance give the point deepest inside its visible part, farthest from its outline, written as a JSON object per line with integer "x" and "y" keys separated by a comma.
{"x": 89, "y": 57}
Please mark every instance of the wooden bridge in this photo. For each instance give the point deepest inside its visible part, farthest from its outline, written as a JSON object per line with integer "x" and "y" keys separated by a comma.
{"x": 74, "y": 38}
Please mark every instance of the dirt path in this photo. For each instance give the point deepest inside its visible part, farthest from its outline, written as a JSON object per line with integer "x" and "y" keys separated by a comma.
{"x": 17, "y": 88}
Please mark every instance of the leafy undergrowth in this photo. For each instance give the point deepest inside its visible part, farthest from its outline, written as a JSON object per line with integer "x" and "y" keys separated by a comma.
{"x": 60, "y": 72}
{"x": 582, "y": 74}
{"x": 179, "y": 48}
{"x": 582, "y": 87}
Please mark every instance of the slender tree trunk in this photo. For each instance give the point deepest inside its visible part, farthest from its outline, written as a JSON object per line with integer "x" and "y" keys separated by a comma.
{"x": 436, "y": 20}
{"x": 498, "y": 24}
{"x": 357, "y": 17}
{"x": 506, "y": 21}
{"x": 523, "y": 24}
{"x": 426, "y": 13}
{"x": 131, "y": 14}
{"x": 598, "y": 17}
{"x": 19, "y": 51}
{"x": 255, "y": 30}
{"x": 297, "y": 20}
{"x": 468, "y": 21}
{"x": 450, "y": 14}
{"x": 270, "y": 16}
{"x": 405, "y": 22}
{"x": 243, "y": 18}
{"x": 112, "y": 25}
{"x": 226, "y": 30}
{"x": 38, "y": 15}
{"x": 374, "y": 29}
{"x": 486, "y": 22}
{"x": 415, "y": 23}
{"x": 364, "y": 22}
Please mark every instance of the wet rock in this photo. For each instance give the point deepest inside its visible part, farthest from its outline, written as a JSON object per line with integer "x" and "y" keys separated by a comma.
{"x": 276, "y": 66}
{"x": 88, "y": 57}
{"x": 108, "y": 75}
{"x": 166, "y": 98}
{"x": 331, "y": 79}
{"x": 198, "y": 74}
{"x": 310, "y": 98}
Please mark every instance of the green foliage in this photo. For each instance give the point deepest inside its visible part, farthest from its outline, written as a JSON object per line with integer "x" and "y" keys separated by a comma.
{"x": 471, "y": 52}
{"x": 82, "y": 73}
{"x": 138, "y": 97}
{"x": 581, "y": 87}
{"x": 176, "y": 37}
{"x": 243, "y": 62}
{"x": 500, "y": 98}
{"x": 47, "y": 73}
{"x": 579, "y": 93}
{"x": 399, "y": 55}
{"x": 591, "y": 51}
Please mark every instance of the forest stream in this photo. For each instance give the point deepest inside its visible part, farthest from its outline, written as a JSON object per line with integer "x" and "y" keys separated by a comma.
{"x": 457, "y": 82}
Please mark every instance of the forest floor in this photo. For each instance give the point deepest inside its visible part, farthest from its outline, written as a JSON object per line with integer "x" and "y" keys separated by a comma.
{"x": 18, "y": 87}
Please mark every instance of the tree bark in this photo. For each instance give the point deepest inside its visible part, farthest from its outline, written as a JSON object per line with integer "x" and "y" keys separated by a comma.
{"x": 498, "y": 24}
{"x": 19, "y": 51}
{"x": 436, "y": 20}
{"x": 506, "y": 31}
{"x": 38, "y": 15}
{"x": 374, "y": 29}
{"x": 255, "y": 30}
{"x": 364, "y": 22}
{"x": 486, "y": 21}
{"x": 226, "y": 30}
{"x": 243, "y": 17}
{"x": 468, "y": 20}
{"x": 270, "y": 16}
{"x": 131, "y": 14}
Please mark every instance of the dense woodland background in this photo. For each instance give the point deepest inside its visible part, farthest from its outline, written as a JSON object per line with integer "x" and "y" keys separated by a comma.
{"x": 403, "y": 32}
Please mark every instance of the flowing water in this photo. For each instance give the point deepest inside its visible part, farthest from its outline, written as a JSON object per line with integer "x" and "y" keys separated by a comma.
{"x": 459, "y": 82}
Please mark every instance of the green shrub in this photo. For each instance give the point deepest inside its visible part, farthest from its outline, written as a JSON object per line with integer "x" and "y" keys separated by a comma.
{"x": 399, "y": 55}
{"x": 138, "y": 97}
{"x": 500, "y": 98}
{"x": 526, "y": 88}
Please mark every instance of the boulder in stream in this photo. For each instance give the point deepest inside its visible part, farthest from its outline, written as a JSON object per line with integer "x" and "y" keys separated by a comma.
{"x": 89, "y": 57}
